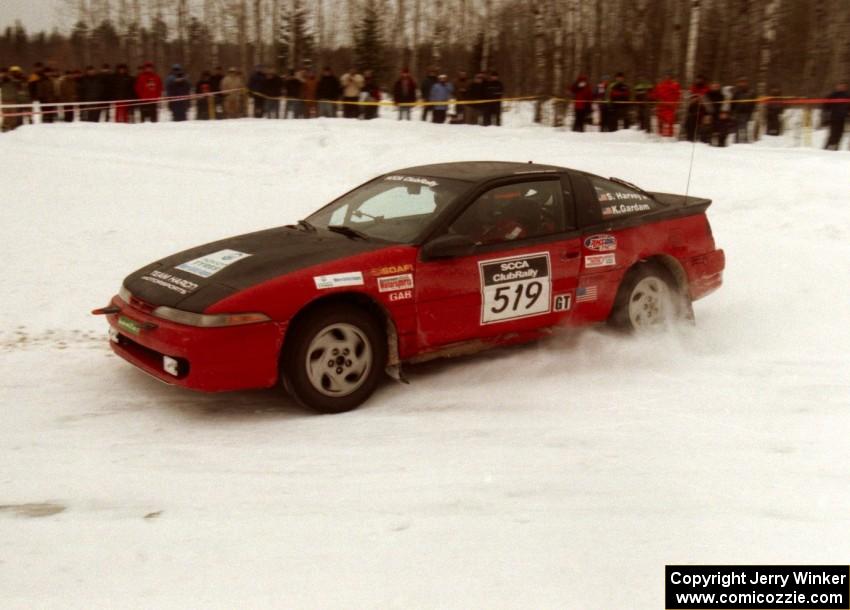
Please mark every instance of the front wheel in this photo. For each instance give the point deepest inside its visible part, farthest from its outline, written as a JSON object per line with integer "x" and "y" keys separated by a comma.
{"x": 334, "y": 358}
{"x": 648, "y": 299}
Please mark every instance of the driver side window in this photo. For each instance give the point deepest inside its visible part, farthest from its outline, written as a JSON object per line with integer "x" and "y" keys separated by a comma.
{"x": 512, "y": 212}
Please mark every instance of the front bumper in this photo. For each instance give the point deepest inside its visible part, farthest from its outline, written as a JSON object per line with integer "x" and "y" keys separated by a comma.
{"x": 208, "y": 359}
{"x": 705, "y": 273}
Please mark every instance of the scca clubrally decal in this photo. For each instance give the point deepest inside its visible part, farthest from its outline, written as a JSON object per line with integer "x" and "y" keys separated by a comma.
{"x": 515, "y": 287}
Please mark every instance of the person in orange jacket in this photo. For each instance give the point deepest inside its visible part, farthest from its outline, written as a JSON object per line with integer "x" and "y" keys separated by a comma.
{"x": 667, "y": 93}
{"x": 148, "y": 87}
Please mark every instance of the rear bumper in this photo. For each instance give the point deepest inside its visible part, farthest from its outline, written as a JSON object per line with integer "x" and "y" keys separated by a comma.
{"x": 705, "y": 273}
{"x": 209, "y": 359}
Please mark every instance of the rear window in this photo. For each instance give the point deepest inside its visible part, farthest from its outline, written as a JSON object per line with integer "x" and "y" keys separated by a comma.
{"x": 617, "y": 200}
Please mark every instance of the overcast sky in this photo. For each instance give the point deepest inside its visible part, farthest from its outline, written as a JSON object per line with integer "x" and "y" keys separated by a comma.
{"x": 34, "y": 14}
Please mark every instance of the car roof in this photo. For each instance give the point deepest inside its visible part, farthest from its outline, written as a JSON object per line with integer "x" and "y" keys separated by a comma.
{"x": 478, "y": 171}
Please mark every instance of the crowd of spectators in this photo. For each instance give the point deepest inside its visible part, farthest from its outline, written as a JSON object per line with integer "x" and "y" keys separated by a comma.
{"x": 217, "y": 94}
{"x": 711, "y": 114}
{"x": 705, "y": 111}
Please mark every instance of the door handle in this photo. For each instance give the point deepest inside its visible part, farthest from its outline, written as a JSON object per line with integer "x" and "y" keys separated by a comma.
{"x": 565, "y": 256}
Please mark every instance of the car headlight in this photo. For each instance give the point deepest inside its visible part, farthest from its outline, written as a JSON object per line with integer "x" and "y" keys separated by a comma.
{"x": 124, "y": 294}
{"x": 208, "y": 320}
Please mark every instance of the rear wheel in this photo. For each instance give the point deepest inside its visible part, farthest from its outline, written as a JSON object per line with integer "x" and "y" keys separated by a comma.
{"x": 334, "y": 358}
{"x": 648, "y": 299}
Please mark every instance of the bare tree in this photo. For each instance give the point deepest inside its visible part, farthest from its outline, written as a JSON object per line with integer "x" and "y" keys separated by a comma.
{"x": 398, "y": 36}
{"x": 487, "y": 37}
{"x": 240, "y": 17}
{"x": 676, "y": 34}
{"x": 597, "y": 43}
{"x": 766, "y": 43}
{"x": 539, "y": 11}
{"x": 275, "y": 25}
{"x": 638, "y": 46}
{"x": 320, "y": 24}
{"x": 558, "y": 67}
{"x": 417, "y": 20}
{"x": 802, "y": 46}
{"x": 843, "y": 38}
{"x": 438, "y": 36}
{"x": 693, "y": 39}
{"x": 212, "y": 20}
{"x": 258, "y": 32}
{"x": 182, "y": 33}
{"x": 558, "y": 64}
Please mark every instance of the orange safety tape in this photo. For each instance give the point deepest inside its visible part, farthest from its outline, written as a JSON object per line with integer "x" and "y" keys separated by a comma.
{"x": 100, "y": 105}
{"x": 786, "y": 100}
{"x": 393, "y": 104}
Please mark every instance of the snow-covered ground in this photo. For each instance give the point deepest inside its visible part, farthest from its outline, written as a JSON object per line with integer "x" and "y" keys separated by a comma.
{"x": 559, "y": 475}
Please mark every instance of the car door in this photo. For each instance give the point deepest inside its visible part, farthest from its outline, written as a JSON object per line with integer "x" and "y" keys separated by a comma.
{"x": 610, "y": 241}
{"x": 520, "y": 273}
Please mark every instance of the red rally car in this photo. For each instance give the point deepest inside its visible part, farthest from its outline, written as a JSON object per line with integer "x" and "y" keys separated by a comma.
{"x": 425, "y": 262}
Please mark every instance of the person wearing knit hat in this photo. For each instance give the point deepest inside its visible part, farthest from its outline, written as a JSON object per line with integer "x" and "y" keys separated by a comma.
{"x": 13, "y": 90}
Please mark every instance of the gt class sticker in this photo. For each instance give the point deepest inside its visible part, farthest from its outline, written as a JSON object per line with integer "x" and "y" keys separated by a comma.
{"x": 600, "y": 260}
{"x": 601, "y": 243}
{"x": 563, "y": 301}
{"x": 338, "y": 280}
{"x": 515, "y": 287}
{"x": 210, "y": 264}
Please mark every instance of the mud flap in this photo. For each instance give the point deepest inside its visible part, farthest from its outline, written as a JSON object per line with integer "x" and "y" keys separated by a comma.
{"x": 393, "y": 368}
{"x": 396, "y": 373}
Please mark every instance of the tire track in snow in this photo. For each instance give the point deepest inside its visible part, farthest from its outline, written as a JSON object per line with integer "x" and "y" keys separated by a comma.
{"x": 22, "y": 338}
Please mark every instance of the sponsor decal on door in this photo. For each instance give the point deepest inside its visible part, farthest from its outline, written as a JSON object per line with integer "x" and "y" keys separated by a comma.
{"x": 601, "y": 243}
{"x": 600, "y": 260}
{"x": 338, "y": 280}
{"x": 392, "y": 283}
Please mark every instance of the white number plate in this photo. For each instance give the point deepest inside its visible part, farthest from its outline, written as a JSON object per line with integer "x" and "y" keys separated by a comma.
{"x": 515, "y": 287}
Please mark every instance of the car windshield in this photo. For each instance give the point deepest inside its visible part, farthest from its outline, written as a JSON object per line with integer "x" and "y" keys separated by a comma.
{"x": 395, "y": 208}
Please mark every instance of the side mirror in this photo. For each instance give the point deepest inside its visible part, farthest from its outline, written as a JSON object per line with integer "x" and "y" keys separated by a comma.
{"x": 448, "y": 246}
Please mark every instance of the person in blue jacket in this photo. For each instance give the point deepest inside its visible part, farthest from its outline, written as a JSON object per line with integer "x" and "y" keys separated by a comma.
{"x": 177, "y": 84}
{"x": 441, "y": 91}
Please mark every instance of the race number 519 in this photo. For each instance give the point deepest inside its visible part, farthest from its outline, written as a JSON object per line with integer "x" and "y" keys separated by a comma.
{"x": 515, "y": 287}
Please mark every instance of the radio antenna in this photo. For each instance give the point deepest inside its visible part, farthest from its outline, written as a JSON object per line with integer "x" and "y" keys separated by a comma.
{"x": 693, "y": 150}
{"x": 690, "y": 171}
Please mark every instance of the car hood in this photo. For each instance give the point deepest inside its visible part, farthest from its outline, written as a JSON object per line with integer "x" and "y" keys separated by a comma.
{"x": 195, "y": 279}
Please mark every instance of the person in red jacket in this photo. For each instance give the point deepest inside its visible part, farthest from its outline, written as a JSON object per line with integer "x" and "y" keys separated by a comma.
{"x": 148, "y": 87}
{"x": 582, "y": 97}
{"x": 699, "y": 86}
{"x": 667, "y": 93}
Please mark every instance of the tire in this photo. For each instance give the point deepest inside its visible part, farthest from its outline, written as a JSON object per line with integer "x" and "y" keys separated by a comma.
{"x": 648, "y": 299}
{"x": 334, "y": 358}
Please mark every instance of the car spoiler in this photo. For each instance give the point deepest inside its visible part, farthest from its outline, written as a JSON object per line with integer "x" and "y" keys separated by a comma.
{"x": 683, "y": 202}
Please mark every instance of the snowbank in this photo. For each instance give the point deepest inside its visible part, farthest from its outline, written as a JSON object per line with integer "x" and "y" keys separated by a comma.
{"x": 529, "y": 477}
